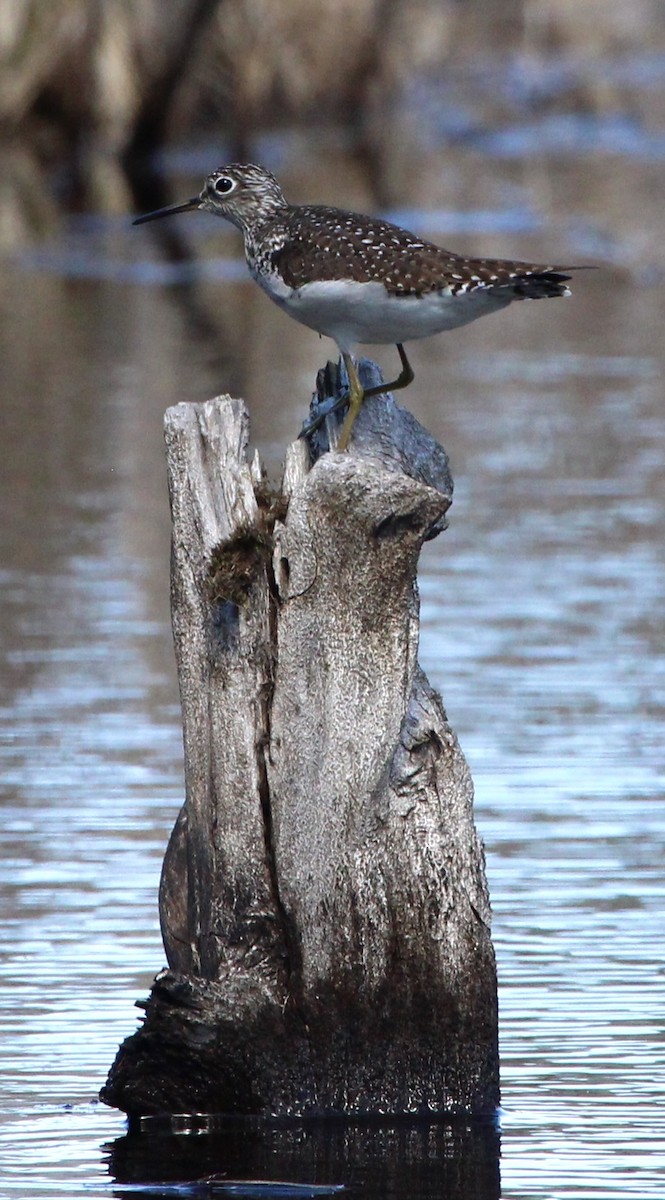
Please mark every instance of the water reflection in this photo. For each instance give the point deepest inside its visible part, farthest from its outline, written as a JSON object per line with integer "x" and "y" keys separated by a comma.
{"x": 374, "y": 1159}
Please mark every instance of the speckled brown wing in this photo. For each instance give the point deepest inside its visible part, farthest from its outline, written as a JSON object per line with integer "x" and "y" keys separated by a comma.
{"x": 320, "y": 243}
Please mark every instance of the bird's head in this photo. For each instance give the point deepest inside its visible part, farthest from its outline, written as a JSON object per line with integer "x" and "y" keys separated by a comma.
{"x": 243, "y": 193}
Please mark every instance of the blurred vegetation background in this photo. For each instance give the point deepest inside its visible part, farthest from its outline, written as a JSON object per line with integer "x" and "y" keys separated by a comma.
{"x": 91, "y": 89}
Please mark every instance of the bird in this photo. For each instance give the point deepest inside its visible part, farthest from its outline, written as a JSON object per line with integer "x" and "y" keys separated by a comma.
{"x": 359, "y": 279}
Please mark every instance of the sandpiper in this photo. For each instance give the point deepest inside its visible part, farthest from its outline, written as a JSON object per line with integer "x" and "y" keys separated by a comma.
{"x": 359, "y": 279}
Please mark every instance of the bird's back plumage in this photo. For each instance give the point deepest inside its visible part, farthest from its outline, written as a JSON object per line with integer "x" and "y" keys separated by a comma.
{"x": 314, "y": 243}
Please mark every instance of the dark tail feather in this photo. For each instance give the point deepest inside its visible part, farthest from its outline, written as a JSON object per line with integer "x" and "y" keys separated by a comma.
{"x": 540, "y": 285}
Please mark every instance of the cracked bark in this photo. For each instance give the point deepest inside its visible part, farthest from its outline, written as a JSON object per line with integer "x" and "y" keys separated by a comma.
{"x": 323, "y": 900}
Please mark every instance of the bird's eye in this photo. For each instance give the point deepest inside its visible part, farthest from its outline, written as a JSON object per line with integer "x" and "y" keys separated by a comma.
{"x": 224, "y": 185}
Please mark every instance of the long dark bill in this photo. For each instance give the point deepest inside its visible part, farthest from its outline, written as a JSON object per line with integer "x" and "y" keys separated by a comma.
{"x": 168, "y": 211}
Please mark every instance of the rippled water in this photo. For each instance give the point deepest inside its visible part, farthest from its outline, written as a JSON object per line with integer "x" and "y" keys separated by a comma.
{"x": 547, "y": 613}
{"x": 542, "y": 615}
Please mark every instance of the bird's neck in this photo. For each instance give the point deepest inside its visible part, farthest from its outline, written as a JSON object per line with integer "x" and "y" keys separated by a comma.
{"x": 257, "y": 231}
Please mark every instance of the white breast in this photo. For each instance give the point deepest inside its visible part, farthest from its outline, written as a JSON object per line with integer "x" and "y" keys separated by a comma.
{"x": 364, "y": 312}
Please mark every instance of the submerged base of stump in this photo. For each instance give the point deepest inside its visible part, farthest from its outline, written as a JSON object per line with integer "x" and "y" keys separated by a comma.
{"x": 323, "y": 899}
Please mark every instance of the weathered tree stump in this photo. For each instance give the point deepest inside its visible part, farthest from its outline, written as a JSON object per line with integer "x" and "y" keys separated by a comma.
{"x": 323, "y": 898}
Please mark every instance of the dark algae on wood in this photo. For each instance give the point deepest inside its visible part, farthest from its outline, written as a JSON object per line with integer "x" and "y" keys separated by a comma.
{"x": 323, "y": 899}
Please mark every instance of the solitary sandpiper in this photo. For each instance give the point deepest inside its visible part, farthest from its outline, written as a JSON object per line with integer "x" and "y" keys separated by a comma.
{"x": 359, "y": 279}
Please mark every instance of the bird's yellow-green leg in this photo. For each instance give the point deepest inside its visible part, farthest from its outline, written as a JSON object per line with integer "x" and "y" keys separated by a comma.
{"x": 356, "y": 397}
{"x": 403, "y": 380}
{"x": 357, "y": 393}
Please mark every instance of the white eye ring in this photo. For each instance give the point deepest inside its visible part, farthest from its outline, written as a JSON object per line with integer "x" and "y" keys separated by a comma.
{"x": 224, "y": 185}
